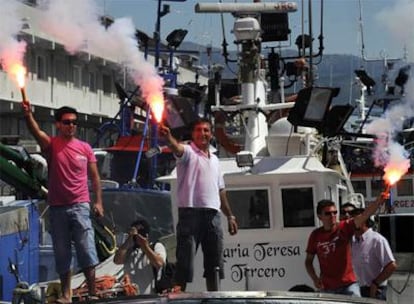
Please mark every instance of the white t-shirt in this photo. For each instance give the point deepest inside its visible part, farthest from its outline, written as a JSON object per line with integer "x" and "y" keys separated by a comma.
{"x": 140, "y": 270}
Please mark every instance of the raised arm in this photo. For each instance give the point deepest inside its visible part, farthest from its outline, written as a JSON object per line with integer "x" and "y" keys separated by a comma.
{"x": 154, "y": 257}
{"x": 176, "y": 147}
{"x": 41, "y": 137}
{"x": 124, "y": 250}
{"x": 370, "y": 210}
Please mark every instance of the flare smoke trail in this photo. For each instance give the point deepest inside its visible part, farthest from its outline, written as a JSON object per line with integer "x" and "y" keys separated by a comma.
{"x": 388, "y": 153}
{"x": 11, "y": 50}
{"x": 76, "y": 25}
{"x": 399, "y": 21}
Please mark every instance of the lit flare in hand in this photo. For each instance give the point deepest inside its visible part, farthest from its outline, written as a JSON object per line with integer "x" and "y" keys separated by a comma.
{"x": 19, "y": 73}
{"x": 156, "y": 103}
{"x": 394, "y": 171}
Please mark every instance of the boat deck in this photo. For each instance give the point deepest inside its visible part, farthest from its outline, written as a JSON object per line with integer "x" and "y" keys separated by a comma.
{"x": 268, "y": 297}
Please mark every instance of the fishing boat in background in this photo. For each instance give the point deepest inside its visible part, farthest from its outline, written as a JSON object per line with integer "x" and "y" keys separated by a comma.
{"x": 280, "y": 153}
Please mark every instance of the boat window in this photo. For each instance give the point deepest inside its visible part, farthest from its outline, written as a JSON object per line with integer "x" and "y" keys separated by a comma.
{"x": 377, "y": 186}
{"x": 298, "y": 209}
{"x": 360, "y": 187}
{"x": 251, "y": 207}
{"x": 405, "y": 187}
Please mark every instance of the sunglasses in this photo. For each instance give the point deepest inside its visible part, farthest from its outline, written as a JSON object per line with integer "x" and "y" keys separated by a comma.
{"x": 330, "y": 213}
{"x": 68, "y": 122}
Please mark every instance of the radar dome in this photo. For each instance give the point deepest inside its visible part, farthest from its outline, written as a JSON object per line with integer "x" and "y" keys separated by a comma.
{"x": 283, "y": 127}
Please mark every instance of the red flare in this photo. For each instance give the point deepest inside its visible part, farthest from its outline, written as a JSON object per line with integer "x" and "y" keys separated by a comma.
{"x": 156, "y": 102}
{"x": 394, "y": 172}
{"x": 19, "y": 73}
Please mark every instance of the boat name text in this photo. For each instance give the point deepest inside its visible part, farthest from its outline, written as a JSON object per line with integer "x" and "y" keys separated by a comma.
{"x": 240, "y": 271}
{"x": 261, "y": 251}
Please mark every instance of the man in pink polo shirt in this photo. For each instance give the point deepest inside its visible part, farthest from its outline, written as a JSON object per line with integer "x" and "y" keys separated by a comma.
{"x": 201, "y": 196}
{"x": 69, "y": 162}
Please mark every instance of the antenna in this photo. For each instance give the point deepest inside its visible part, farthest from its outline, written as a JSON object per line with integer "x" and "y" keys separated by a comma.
{"x": 383, "y": 54}
{"x": 246, "y": 8}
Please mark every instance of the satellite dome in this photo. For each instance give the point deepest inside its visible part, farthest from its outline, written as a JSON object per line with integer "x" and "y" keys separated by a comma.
{"x": 283, "y": 127}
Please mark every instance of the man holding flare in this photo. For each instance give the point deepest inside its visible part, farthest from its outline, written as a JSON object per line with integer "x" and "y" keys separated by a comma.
{"x": 331, "y": 244}
{"x": 70, "y": 160}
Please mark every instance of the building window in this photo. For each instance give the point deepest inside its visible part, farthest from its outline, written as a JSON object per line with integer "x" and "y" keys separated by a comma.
{"x": 60, "y": 70}
{"x": 107, "y": 83}
{"x": 405, "y": 187}
{"x": 298, "y": 207}
{"x": 77, "y": 76}
{"x": 92, "y": 81}
{"x": 251, "y": 207}
{"x": 41, "y": 68}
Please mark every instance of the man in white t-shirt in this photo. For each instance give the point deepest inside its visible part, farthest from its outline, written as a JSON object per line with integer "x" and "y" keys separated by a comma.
{"x": 140, "y": 258}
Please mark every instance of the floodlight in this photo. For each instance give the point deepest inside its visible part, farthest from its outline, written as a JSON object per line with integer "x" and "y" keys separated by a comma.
{"x": 303, "y": 42}
{"x": 402, "y": 78}
{"x": 275, "y": 27}
{"x": 244, "y": 159}
{"x": 165, "y": 10}
{"x": 319, "y": 102}
{"x": 175, "y": 38}
{"x": 312, "y": 106}
{"x": 336, "y": 119}
{"x": 365, "y": 79}
{"x": 142, "y": 37}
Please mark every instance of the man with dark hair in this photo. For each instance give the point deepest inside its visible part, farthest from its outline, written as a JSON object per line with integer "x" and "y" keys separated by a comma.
{"x": 140, "y": 258}
{"x": 346, "y": 211}
{"x": 64, "y": 110}
{"x": 331, "y": 244}
{"x": 201, "y": 195}
{"x": 372, "y": 259}
{"x": 69, "y": 162}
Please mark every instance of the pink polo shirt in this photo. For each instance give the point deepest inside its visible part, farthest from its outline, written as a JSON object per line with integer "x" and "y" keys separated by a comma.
{"x": 68, "y": 171}
{"x": 199, "y": 179}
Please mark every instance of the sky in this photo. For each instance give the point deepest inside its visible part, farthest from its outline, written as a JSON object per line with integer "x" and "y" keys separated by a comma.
{"x": 387, "y": 25}
{"x": 384, "y": 23}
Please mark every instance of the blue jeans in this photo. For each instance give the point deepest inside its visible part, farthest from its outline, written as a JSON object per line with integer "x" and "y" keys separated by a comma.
{"x": 349, "y": 290}
{"x": 72, "y": 223}
{"x": 199, "y": 226}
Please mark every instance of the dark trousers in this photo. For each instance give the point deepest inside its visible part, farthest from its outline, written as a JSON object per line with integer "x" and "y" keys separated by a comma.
{"x": 381, "y": 292}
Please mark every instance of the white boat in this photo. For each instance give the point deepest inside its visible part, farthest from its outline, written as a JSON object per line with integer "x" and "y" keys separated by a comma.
{"x": 273, "y": 184}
